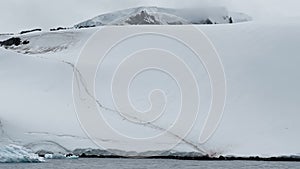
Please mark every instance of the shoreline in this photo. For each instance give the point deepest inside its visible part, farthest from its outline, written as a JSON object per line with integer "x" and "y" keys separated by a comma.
{"x": 201, "y": 158}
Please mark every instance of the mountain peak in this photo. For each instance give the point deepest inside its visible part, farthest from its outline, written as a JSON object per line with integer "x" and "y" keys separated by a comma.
{"x": 142, "y": 18}
{"x": 165, "y": 16}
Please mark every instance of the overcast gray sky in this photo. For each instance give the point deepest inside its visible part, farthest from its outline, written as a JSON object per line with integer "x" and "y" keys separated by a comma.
{"x": 18, "y": 15}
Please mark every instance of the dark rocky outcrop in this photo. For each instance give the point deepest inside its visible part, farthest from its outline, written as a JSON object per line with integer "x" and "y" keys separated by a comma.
{"x": 25, "y": 42}
{"x": 42, "y": 153}
{"x": 204, "y": 22}
{"x": 11, "y": 41}
{"x": 57, "y": 29}
{"x": 96, "y": 153}
{"x": 230, "y": 20}
{"x": 16, "y": 41}
{"x": 207, "y": 21}
{"x": 6, "y": 34}
{"x": 28, "y": 31}
{"x": 80, "y": 27}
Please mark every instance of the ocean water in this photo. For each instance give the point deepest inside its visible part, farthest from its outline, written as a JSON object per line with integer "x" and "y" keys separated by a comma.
{"x": 150, "y": 164}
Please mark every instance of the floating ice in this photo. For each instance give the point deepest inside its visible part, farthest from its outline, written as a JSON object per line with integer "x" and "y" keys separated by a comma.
{"x": 60, "y": 156}
{"x": 54, "y": 156}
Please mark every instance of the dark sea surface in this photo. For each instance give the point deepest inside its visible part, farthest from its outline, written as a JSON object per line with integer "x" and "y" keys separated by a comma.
{"x": 91, "y": 163}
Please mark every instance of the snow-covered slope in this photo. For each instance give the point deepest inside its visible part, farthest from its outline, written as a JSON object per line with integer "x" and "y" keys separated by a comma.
{"x": 165, "y": 16}
{"x": 261, "y": 62}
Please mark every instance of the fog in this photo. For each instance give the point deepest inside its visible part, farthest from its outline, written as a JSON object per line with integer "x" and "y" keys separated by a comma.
{"x": 18, "y": 15}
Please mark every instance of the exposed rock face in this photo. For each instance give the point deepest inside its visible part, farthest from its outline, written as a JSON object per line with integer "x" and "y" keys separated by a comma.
{"x": 32, "y": 30}
{"x": 142, "y": 18}
{"x": 12, "y": 41}
{"x": 16, "y": 41}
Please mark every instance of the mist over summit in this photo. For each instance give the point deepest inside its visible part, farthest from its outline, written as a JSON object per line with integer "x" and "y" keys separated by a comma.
{"x": 166, "y": 16}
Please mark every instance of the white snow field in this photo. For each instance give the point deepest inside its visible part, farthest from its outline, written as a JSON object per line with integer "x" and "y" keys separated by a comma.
{"x": 261, "y": 62}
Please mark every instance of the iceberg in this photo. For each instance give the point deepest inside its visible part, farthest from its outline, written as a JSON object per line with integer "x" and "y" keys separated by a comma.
{"x": 18, "y": 154}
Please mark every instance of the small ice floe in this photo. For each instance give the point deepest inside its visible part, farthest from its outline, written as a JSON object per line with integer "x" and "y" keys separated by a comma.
{"x": 61, "y": 156}
{"x": 72, "y": 156}
{"x": 55, "y": 156}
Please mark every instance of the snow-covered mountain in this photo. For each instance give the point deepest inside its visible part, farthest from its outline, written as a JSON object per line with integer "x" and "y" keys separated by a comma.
{"x": 261, "y": 63}
{"x": 165, "y": 16}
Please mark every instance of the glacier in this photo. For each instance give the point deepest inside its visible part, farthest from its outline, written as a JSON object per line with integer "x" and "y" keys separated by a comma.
{"x": 261, "y": 117}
